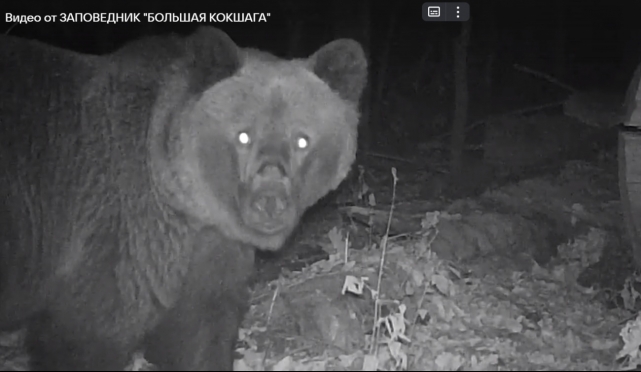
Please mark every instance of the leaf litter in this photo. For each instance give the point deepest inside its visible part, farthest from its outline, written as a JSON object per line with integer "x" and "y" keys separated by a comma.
{"x": 467, "y": 289}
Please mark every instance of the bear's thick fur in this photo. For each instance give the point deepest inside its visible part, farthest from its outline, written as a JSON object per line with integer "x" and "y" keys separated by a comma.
{"x": 137, "y": 185}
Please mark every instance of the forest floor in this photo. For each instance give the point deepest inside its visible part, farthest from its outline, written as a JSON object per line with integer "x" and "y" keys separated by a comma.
{"x": 529, "y": 275}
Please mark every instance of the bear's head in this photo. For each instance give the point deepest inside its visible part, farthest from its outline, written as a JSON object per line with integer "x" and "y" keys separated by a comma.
{"x": 248, "y": 141}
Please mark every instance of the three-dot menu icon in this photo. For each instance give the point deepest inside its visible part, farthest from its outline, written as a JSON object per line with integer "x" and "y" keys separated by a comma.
{"x": 458, "y": 11}
{"x": 446, "y": 12}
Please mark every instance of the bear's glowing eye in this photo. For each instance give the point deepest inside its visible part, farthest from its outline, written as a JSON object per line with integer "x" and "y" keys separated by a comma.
{"x": 243, "y": 138}
{"x": 302, "y": 142}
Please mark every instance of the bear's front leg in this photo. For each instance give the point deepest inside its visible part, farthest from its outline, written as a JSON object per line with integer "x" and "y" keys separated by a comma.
{"x": 199, "y": 333}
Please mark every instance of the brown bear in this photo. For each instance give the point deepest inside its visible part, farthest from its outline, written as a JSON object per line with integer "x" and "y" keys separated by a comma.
{"x": 136, "y": 186}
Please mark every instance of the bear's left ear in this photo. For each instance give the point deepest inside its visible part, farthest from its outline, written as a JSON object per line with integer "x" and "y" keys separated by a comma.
{"x": 211, "y": 56}
{"x": 343, "y": 66}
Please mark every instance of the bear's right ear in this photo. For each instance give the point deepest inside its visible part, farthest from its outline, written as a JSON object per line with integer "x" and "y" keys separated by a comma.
{"x": 211, "y": 57}
{"x": 343, "y": 66}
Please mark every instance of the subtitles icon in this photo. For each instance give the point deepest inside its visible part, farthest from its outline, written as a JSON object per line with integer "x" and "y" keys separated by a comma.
{"x": 446, "y": 12}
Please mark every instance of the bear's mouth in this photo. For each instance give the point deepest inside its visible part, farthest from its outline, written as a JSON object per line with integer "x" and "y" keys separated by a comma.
{"x": 269, "y": 210}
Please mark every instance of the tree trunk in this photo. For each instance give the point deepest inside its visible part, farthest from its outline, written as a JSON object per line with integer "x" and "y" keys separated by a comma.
{"x": 295, "y": 29}
{"x": 492, "y": 45}
{"x": 461, "y": 98}
{"x": 379, "y": 80}
{"x": 297, "y": 15}
{"x": 560, "y": 42}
